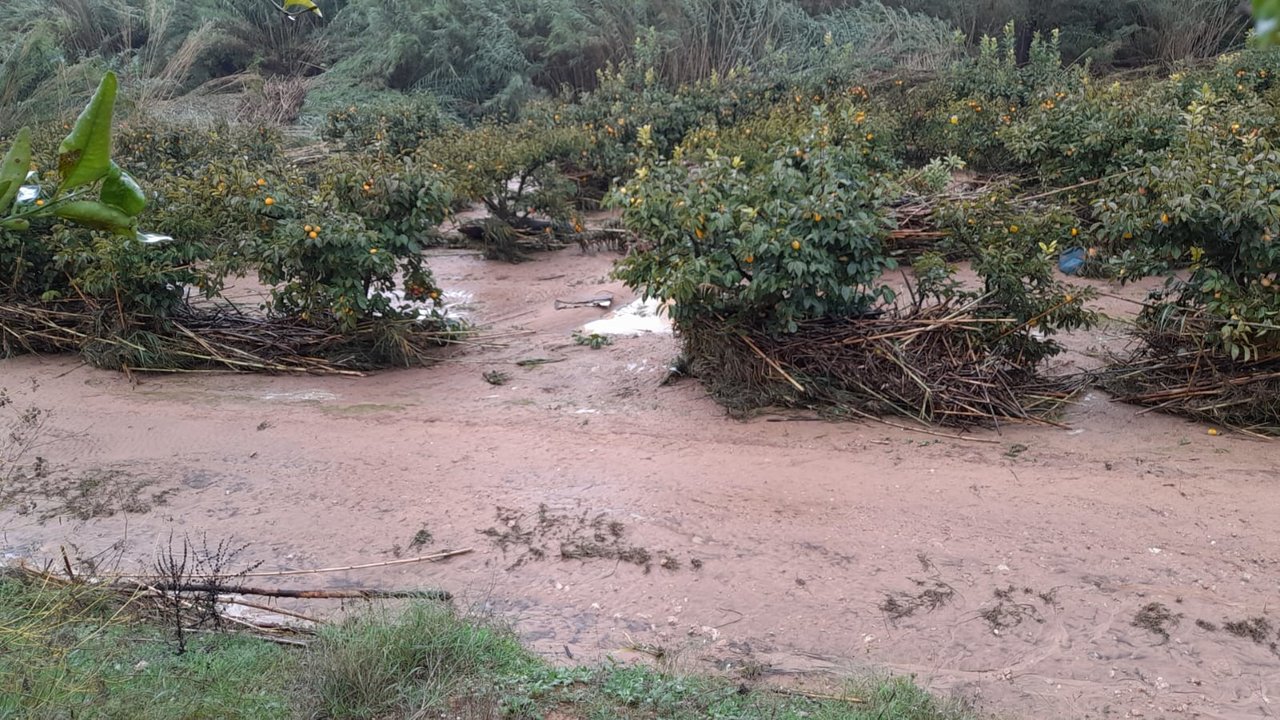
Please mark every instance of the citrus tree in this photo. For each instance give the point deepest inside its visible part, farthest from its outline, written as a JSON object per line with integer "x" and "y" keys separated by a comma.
{"x": 767, "y": 247}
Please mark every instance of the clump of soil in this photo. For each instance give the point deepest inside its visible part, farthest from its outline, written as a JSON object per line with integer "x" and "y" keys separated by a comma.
{"x": 1156, "y": 619}
{"x": 935, "y": 594}
{"x": 571, "y": 537}
{"x": 1009, "y": 610}
{"x": 1206, "y": 626}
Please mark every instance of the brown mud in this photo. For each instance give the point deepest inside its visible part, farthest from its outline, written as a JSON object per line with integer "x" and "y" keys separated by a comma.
{"x": 1078, "y": 573}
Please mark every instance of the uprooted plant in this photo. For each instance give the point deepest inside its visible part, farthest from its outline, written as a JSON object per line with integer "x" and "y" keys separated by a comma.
{"x": 189, "y": 576}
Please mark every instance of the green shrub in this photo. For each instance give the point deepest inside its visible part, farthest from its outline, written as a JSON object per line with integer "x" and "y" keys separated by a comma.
{"x": 1210, "y": 204}
{"x": 1095, "y": 131}
{"x": 333, "y": 241}
{"x": 841, "y": 120}
{"x": 1015, "y": 248}
{"x": 769, "y": 247}
{"x": 395, "y": 127}
{"x": 514, "y": 169}
{"x": 967, "y": 112}
{"x": 399, "y": 199}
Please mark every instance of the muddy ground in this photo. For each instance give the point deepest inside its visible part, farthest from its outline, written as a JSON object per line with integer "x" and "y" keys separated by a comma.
{"x": 1127, "y": 566}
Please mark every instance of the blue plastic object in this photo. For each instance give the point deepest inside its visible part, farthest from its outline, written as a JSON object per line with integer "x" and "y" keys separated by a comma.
{"x": 1071, "y": 261}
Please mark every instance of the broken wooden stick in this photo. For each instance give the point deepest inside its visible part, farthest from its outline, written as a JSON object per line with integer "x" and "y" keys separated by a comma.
{"x": 422, "y": 558}
{"x": 344, "y": 594}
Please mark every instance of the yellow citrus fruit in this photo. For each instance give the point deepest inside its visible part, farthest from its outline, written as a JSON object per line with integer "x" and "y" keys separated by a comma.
{"x": 1075, "y": 232}
{"x": 751, "y": 259}
{"x": 1213, "y": 431}
{"x": 269, "y": 201}
{"x": 40, "y": 202}
{"x": 313, "y": 234}
{"x": 795, "y": 244}
{"x": 261, "y": 182}
{"x": 1013, "y": 229}
{"x": 955, "y": 120}
{"x": 1068, "y": 298}
{"x": 306, "y": 228}
{"x": 373, "y": 251}
{"x": 435, "y": 295}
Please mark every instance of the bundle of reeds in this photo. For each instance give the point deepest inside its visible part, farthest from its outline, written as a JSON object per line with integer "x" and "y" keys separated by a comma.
{"x": 1176, "y": 369}
{"x": 217, "y": 339}
{"x": 939, "y": 364}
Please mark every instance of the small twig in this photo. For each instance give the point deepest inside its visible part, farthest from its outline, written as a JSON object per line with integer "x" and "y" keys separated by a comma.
{"x": 406, "y": 561}
{"x": 1077, "y": 186}
{"x": 66, "y": 563}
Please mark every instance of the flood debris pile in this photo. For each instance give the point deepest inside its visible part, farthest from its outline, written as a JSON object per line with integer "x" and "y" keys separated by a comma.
{"x": 221, "y": 338}
{"x": 936, "y": 365}
{"x": 1180, "y": 369}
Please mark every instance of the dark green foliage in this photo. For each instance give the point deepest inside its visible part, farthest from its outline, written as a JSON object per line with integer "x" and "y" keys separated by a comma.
{"x": 767, "y": 246}
{"x": 492, "y": 56}
{"x": 1109, "y": 32}
{"x": 394, "y": 125}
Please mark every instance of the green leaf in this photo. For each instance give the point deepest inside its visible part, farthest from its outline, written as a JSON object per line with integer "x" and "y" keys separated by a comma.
{"x": 94, "y": 215}
{"x": 298, "y": 7}
{"x": 122, "y": 191}
{"x": 19, "y": 224}
{"x": 84, "y": 156}
{"x": 13, "y": 170}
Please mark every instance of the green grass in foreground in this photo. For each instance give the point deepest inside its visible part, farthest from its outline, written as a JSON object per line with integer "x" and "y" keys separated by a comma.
{"x": 74, "y": 653}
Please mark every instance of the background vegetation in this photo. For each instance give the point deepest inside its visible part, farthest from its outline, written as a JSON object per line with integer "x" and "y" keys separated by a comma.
{"x": 494, "y": 55}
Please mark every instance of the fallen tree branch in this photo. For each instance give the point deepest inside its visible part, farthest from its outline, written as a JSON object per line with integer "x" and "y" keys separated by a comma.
{"x": 346, "y": 594}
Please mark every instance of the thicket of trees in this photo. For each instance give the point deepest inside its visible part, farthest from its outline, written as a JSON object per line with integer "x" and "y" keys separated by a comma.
{"x": 493, "y": 55}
